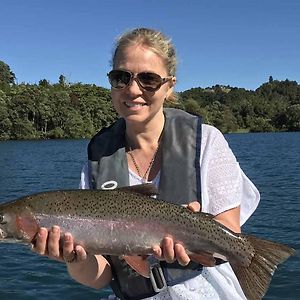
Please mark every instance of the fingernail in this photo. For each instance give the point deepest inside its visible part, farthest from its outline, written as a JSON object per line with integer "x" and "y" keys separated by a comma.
{"x": 77, "y": 248}
{"x": 183, "y": 263}
{"x": 154, "y": 248}
{"x": 67, "y": 236}
{"x": 42, "y": 231}
{"x": 55, "y": 229}
{"x": 167, "y": 240}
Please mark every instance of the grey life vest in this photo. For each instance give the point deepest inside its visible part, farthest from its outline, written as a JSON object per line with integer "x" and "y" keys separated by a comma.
{"x": 180, "y": 183}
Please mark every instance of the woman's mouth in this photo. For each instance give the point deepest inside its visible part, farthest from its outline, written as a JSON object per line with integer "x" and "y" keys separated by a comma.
{"x": 134, "y": 105}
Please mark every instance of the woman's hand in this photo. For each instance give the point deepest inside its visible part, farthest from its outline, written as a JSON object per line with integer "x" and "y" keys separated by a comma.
{"x": 90, "y": 270}
{"x": 170, "y": 251}
{"x": 62, "y": 248}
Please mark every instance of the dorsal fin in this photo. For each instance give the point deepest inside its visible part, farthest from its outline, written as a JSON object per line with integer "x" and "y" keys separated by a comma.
{"x": 147, "y": 189}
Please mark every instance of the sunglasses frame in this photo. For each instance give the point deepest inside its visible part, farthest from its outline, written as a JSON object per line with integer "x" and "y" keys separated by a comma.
{"x": 140, "y": 84}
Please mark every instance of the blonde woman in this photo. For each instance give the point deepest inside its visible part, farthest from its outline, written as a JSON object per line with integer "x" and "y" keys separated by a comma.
{"x": 152, "y": 144}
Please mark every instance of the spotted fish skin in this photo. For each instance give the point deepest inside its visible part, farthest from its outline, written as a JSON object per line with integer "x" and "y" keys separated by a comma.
{"x": 127, "y": 221}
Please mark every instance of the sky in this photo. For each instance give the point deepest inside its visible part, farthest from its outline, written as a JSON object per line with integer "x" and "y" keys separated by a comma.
{"x": 234, "y": 42}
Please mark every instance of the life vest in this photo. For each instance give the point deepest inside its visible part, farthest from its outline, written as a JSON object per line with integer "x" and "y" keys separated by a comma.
{"x": 180, "y": 183}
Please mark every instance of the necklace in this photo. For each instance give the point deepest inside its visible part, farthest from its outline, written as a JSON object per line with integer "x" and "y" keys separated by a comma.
{"x": 149, "y": 166}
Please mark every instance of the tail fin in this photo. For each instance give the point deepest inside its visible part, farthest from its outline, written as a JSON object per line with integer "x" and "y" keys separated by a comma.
{"x": 255, "y": 279}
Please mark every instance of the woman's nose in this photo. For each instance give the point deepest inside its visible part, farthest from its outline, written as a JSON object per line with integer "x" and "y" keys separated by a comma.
{"x": 134, "y": 87}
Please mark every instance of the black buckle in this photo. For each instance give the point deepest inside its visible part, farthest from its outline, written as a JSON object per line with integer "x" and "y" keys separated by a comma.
{"x": 157, "y": 278}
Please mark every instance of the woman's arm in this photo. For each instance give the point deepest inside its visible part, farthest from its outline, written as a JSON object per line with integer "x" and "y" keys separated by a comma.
{"x": 94, "y": 271}
{"x": 230, "y": 218}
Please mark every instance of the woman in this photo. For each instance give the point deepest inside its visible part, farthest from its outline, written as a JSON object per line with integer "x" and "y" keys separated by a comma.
{"x": 152, "y": 144}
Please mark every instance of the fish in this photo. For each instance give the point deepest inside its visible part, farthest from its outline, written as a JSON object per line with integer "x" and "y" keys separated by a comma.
{"x": 128, "y": 221}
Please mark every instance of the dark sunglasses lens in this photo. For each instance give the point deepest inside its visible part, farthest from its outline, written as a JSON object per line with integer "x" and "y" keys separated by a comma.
{"x": 149, "y": 81}
{"x": 119, "y": 79}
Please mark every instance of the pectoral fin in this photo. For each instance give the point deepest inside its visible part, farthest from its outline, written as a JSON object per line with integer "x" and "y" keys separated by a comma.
{"x": 204, "y": 258}
{"x": 139, "y": 263}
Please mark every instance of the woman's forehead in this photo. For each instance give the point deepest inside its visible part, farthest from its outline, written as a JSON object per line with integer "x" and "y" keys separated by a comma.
{"x": 138, "y": 56}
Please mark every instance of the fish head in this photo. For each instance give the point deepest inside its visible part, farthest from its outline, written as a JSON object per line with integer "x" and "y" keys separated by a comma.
{"x": 8, "y": 227}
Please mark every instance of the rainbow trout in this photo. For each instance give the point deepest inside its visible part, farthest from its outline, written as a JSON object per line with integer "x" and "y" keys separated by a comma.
{"x": 127, "y": 221}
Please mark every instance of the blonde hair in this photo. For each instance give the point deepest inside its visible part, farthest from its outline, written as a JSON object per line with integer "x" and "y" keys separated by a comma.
{"x": 157, "y": 42}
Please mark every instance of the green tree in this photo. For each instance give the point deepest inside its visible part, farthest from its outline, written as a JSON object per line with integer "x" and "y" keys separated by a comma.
{"x": 5, "y": 123}
{"x": 62, "y": 80}
{"x": 6, "y": 75}
{"x": 192, "y": 106}
{"x": 261, "y": 125}
{"x": 293, "y": 118}
{"x": 23, "y": 130}
{"x": 79, "y": 110}
{"x": 44, "y": 83}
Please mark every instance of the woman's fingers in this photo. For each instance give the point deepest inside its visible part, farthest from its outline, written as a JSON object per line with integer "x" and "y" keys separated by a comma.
{"x": 40, "y": 243}
{"x": 81, "y": 253}
{"x": 58, "y": 247}
{"x": 69, "y": 254}
{"x": 157, "y": 252}
{"x": 53, "y": 243}
{"x": 165, "y": 251}
{"x": 194, "y": 206}
{"x": 181, "y": 255}
{"x": 168, "y": 249}
{"x": 171, "y": 252}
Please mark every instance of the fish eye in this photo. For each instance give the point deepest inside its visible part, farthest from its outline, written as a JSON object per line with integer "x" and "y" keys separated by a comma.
{"x": 2, "y": 220}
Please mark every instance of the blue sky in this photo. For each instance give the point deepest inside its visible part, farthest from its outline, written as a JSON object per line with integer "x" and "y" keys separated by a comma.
{"x": 233, "y": 42}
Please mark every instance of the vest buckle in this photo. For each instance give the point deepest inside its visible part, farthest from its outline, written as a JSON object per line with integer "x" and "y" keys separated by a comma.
{"x": 157, "y": 278}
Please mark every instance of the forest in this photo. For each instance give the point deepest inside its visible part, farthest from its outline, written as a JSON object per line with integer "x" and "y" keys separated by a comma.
{"x": 76, "y": 110}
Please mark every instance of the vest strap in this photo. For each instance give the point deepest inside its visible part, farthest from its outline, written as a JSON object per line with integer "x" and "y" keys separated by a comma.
{"x": 157, "y": 278}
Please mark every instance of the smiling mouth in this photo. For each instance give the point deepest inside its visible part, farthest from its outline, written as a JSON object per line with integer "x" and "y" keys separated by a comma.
{"x": 130, "y": 104}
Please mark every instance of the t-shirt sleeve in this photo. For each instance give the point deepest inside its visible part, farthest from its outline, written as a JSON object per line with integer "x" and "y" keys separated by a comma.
{"x": 224, "y": 184}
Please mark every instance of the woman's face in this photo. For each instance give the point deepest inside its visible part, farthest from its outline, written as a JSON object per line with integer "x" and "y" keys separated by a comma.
{"x": 133, "y": 103}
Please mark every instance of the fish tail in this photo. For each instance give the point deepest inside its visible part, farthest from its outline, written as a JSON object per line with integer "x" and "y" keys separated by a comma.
{"x": 255, "y": 279}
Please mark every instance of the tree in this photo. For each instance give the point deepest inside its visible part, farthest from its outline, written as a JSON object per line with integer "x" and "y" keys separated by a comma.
{"x": 293, "y": 117}
{"x": 5, "y": 123}
{"x": 191, "y": 106}
{"x": 44, "y": 83}
{"x": 6, "y": 75}
{"x": 62, "y": 80}
{"x": 261, "y": 125}
{"x": 64, "y": 110}
{"x": 23, "y": 129}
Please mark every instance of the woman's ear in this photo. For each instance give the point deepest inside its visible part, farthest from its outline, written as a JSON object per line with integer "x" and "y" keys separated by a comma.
{"x": 173, "y": 81}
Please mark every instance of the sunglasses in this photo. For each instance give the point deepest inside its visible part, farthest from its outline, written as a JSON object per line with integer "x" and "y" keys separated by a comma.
{"x": 151, "y": 82}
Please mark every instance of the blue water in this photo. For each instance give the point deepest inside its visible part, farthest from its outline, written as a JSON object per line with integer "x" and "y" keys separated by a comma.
{"x": 269, "y": 159}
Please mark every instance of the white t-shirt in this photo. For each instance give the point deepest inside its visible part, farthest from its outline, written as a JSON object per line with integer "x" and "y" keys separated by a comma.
{"x": 223, "y": 186}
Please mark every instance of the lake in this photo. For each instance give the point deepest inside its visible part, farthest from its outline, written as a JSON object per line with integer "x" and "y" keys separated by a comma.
{"x": 270, "y": 160}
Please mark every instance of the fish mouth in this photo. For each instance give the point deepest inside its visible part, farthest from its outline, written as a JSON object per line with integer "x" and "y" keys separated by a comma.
{"x": 3, "y": 234}
{"x": 5, "y": 237}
